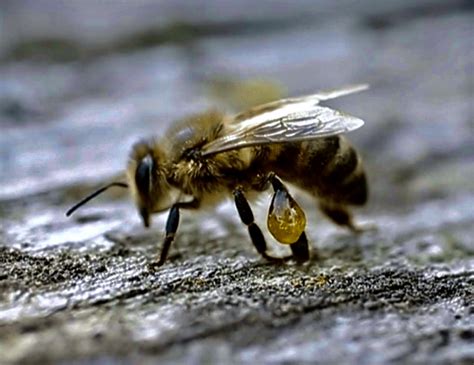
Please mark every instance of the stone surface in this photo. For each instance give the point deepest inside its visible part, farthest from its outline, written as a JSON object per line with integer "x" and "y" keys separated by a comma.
{"x": 79, "y": 83}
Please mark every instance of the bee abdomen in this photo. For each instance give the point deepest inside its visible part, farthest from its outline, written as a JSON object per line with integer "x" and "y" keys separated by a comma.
{"x": 341, "y": 166}
{"x": 328, "y": 167}
{"x": 342, "y": 179}
{"x": 303, "y": 161}
{"x": 356, "y": 187}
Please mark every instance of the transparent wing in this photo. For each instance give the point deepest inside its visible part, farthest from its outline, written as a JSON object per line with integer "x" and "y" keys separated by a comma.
{"x": 287, "y": 120}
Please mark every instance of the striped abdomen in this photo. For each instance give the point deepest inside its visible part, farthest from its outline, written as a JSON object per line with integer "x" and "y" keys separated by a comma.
{"x": 328, "y": 167}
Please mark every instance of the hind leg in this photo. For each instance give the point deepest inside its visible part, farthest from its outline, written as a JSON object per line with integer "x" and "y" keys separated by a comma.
{"x": 341, "y": 215}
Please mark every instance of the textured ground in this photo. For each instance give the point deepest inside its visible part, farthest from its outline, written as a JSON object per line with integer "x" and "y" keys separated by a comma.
{"x": 79, "y": 83}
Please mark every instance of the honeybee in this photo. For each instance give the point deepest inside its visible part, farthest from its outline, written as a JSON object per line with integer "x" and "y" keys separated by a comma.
{"x": 209, "y": 157}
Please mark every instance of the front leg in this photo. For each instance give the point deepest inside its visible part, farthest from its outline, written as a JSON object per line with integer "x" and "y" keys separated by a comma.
{"x": 172, "y": 226}
{"x": 246, "y": 215}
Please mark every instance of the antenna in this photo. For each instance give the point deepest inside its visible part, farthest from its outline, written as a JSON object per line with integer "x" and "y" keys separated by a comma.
{"x": 93, "y": 195}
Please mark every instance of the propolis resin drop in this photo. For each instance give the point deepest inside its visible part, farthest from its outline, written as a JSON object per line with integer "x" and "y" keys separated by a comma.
{"x": 286, "y": 220}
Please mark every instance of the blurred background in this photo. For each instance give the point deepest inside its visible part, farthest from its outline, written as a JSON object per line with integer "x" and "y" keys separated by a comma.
{"x": 81, "y": 81}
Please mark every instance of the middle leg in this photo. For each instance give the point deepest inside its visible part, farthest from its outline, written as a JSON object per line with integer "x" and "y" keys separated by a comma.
{"x": 246, "y": 216}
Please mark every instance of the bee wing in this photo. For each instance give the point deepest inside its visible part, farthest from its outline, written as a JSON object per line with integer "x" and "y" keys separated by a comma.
{"x": 328, "y": 94}
{"x": 287, "y": 120}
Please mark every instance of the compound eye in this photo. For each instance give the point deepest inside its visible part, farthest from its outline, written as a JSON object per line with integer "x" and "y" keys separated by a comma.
{"x": 144, "y": 175}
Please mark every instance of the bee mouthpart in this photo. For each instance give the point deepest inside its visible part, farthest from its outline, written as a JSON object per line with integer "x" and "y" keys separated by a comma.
{"x": 145, "y": 217}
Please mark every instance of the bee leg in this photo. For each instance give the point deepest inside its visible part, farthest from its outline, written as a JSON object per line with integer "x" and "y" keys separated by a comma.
{"x": 342, "y": 216}
{"x": 300, "y": 248}
{"x": 172, "y": 226}
{"x": 246, "y": 215}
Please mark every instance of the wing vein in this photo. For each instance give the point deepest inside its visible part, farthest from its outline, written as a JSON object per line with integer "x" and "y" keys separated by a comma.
{"x": 286, "y": 121}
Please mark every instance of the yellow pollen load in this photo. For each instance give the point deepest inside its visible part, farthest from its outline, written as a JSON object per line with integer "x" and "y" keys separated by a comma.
{"x": 286, "y": 220}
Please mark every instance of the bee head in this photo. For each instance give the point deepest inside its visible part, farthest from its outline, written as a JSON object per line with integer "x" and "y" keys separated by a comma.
{"x": 147, "y": 173}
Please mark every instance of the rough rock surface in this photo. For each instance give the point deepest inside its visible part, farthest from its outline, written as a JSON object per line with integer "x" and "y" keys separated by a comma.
{"x": 80, "y": 82}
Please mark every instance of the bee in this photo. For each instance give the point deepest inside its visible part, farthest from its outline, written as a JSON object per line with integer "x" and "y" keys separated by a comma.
{"x": 208, "y": 157}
